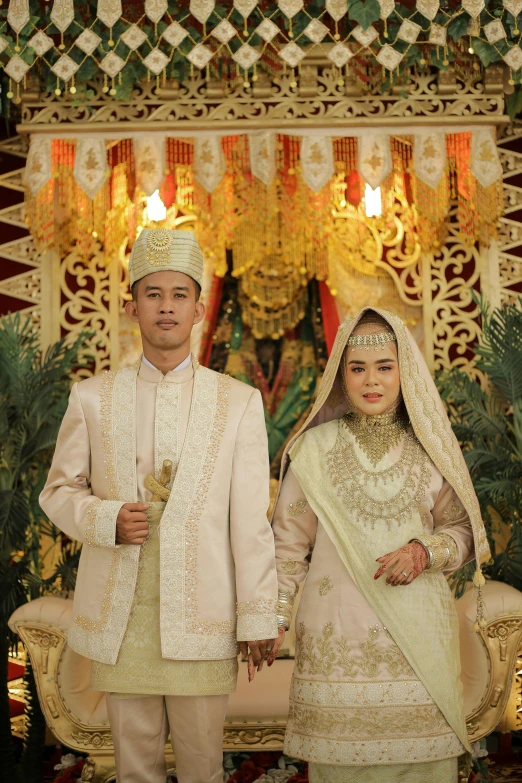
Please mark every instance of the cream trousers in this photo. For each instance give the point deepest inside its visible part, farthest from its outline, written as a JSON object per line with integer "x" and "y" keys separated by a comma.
{"x": 140, "y": 727}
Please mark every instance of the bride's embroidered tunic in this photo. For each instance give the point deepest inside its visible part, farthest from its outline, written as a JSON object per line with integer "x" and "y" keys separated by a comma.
{"x": 376, "y": 692}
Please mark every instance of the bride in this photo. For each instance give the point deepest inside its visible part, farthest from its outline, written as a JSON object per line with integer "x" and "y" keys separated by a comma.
{"x": 376, "y": 485}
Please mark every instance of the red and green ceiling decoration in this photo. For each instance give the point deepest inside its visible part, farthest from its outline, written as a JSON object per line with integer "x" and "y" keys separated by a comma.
{"x": 60, "y": 46}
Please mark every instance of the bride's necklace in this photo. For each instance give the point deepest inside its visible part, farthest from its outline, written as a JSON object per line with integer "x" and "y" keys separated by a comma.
{"x": 376, "y": 435}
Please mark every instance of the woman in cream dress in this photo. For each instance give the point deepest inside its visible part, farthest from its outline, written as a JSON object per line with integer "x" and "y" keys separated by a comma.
{"x": 376, "y": 485}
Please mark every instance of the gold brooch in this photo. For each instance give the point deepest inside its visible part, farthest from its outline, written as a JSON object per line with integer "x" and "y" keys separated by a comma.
{"x": 159, "y": 241}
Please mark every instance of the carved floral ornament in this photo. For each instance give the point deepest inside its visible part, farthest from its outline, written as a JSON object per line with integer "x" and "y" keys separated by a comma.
{"x": 165, "y": 44}
{"x": 316, "y": 159}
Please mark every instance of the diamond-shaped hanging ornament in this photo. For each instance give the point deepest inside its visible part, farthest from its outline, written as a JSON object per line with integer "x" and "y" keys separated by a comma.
{"x": 389, "y": 57}
{"x": 336, "y": 8}
{"x": 156, "y": 61}
{"x": 88, "y": 41}
{"x": 316, "y": 31}
{"x": 64, "y": 68}
{"x": 409, "y": 31}
{"x": 340, "y": 54}
{"x": 3, "y": 44}
{"x": 365, "y": 37}
{"x": 513, "y": 58}
{"x": 246, "y": 56}
{"x": 513, "y": 6}
{"x": 387, "y": 7}
{"x": 224, "y": 31}
{"x": 267, "y": 30}
{"x": 62, "y": 14}
{"x": 200, "y": 56}
{"x": 16, "y": 68}
{"x": 201, "y": 10}
{"x": 18, "y": 15}
{"x": 133, "y": 37}
{"x": 494, "y": 31}
{"x": 174, "y": 34}
{"x": 290, "y": 7}
{"x": 112, "y": 64}
{"x": 438, "y": 34}
{"x": 292, "y": 54}
{"x": 473, "y": 7}
{"x": 109, "y": 11}
{"x": 428, "y": 8}
{"x": 156, "y": 9}
{"x": 245, "y": 7}
{"x": 41, "y": 43}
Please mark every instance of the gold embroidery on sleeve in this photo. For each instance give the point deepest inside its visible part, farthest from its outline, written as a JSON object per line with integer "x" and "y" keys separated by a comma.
{"x": 289, "y": 567}
{"x": 325, "y": 586}
{"x": 454, "y": 512}
{"x": 297, "y": 508}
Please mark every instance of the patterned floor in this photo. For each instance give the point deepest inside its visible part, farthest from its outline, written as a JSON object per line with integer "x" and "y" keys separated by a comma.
{"x": 506, "y": 774}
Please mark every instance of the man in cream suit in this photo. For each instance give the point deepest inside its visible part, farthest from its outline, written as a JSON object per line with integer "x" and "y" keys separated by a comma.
{"x": 161, "y": 470}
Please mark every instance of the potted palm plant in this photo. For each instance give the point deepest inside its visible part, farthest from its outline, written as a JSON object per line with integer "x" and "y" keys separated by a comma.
{"x": 34, "y": 388}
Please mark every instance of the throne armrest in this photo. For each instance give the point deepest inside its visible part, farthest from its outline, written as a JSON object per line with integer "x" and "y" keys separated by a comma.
{"x": 489, "y": 656}
{"x": 76, "y": 715}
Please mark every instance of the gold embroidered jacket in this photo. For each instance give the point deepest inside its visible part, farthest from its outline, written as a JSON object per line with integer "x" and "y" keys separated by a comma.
{"x": 217, "y": 566}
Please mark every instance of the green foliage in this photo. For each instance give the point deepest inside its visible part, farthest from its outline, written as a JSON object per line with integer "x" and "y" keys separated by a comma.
{"x": 34, "y": 388}
{"x": 488, "y": 423}
{"x": 364, "y": 12}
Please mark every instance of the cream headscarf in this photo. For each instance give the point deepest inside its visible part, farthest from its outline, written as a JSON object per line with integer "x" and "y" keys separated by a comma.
{"x": 426, "y": 411}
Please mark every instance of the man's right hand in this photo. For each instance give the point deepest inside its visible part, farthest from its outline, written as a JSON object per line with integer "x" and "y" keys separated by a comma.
{"x": 131, "y": 524}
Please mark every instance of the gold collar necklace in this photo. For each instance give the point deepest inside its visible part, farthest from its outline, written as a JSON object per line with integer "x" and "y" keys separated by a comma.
{"x": 376, "y": 435}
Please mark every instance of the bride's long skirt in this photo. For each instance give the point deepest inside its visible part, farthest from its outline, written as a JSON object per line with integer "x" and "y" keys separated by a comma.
{"x": 445, "y": 771}
{"x": 358, "y": 711}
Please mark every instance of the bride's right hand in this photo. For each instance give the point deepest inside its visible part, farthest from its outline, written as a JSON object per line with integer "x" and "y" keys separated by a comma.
{"x": 277, "y": 646}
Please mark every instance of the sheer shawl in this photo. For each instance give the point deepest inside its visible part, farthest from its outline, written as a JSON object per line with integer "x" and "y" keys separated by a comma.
{"x": 425, "y": 408}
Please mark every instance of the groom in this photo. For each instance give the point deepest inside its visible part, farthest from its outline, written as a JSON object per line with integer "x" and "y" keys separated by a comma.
{"x": 161, "y": 470}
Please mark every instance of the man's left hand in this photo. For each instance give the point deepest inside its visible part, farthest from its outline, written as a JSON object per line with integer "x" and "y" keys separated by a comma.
{"x": 257, "y": 652}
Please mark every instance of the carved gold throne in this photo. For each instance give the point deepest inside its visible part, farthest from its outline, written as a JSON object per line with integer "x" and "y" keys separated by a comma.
{"x": 77, "y": 716}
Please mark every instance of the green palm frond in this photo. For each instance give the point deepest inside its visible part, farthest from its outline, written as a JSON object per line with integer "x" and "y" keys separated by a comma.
{"x": 488, "y": 423}
{"x": 34, "y": 389}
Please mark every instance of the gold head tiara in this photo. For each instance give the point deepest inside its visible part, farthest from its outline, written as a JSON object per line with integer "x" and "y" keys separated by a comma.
{"x": 377, "y": 341}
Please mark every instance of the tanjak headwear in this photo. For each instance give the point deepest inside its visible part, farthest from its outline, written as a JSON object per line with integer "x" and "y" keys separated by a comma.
{"x": 163, "y": 249}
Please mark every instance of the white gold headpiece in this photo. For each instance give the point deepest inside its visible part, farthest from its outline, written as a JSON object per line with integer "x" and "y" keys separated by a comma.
{"x": 368, "y": 341}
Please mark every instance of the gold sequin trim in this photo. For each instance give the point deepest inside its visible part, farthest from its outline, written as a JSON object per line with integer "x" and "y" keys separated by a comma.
{"x": 325, "y": 586}
{"x": 191, "y": 529}
{"x": 106, "y": 389}
{"x": 97, "y": 626}
{"x": 367, "y": 723}
{"x": 297, "y": 508}
{"x": 261, "y": 606}
{"x": 90, "y": 523}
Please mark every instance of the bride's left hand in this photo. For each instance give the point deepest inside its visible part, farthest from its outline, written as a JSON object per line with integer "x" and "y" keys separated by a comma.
{"x": 404, "y": 565}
